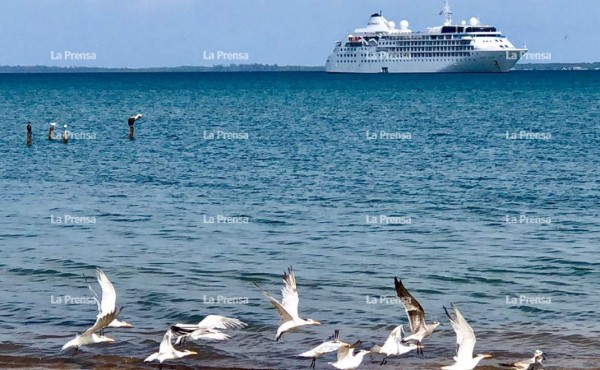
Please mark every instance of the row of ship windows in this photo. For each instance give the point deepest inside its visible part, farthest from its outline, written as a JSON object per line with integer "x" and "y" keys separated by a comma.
{"x": 443, "y": 48}
{"x": 408, "y": 55}
{"x": 458, "y": 48}
{"x": 427, "y": 43}
{"x": 406, "y": 60}
{"x": 446, "y": 37}
{"x": 432, "y": 43}
{"x": 501, "y": 45}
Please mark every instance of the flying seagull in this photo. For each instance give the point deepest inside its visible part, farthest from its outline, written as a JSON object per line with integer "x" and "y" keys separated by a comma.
{"x": 465, "y": 338}
{"x": 208, "y": 328}
{"x": 524, "y": 364}
{"x": 167, "y": 352}
{"x": 116, "y": 323}
{"x": 416, "y": 316}
{"x": 288, "y": 308}
{"x": 347, "y": 359}
{"x": 107, "y": 314}
{"x": 395, "y": 345}
{"x": 331, "y": 344}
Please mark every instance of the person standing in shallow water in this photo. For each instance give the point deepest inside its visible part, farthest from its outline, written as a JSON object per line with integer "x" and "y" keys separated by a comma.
{"x": 29, "y": 134}
{"x": 51, "y": 131}
{"x": 130, "y": 121}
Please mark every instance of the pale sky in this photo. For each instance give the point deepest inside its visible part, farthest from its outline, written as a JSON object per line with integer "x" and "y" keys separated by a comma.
{"x": 168, "y": 33}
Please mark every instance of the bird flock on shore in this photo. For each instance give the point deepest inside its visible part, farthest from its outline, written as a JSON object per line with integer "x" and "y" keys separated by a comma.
{"x": 349, "y": 356}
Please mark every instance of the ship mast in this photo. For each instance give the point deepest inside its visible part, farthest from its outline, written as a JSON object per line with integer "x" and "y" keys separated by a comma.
{"x": 447, "y": 14}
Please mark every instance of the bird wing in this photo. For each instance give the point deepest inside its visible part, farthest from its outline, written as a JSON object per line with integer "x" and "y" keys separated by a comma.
{"x": 414, "y": 310}
{"x": 289, "y": 293}
{"x": 285, "y": 316}
{"x": 109, "y": 296}
{"x": 347, "y": 350}
{"x": 333, "y": 338}
{"x": 220, "y": 322}
{"x": 165, "y": 344}
{"x": 344, "y": 351}
{"x": 180, "y": 331}
{"x": 208, "y": 334}
{"x": 465, "y": 337}
{"x": 332, "y": 343}
{"x": 395, "y": 337}
{"x": 96, "y": 298}
{"x": 101, "y": 323}
{"x": 328, "y": 347}
{"x": 521, "y": 364}
{"x": 183, "y": 329}
{"x": 325, "y": 347}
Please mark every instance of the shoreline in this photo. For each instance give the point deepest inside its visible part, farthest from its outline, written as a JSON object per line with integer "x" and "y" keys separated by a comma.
{"x": 248, "y": 68}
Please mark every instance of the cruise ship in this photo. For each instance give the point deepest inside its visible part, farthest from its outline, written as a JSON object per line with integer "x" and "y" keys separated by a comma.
{"x": 381, "y": 47}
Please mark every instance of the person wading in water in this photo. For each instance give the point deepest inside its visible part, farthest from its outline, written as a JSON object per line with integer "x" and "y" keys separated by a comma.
{"x": 131, "y": 122}
{"x": 29, "y": 135}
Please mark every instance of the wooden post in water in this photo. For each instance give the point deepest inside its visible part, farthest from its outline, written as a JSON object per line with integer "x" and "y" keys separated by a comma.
{"x": 51, "y": 131}
{"x": 65, "y": 135}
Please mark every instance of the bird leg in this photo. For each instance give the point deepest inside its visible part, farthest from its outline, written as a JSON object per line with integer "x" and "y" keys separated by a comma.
{"x": 313, "y": 363}
{"x": 384, "y": 361}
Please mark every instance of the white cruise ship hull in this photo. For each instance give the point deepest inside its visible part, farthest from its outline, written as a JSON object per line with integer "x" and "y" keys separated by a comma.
{"x": 481, "y": 62}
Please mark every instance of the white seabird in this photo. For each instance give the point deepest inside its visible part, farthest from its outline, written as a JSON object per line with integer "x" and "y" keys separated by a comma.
{"x": 208, "y": 328}
{"x": 347, "y": 359}
{"x": 107, "y": 314}
{"x": 395, "y": 345}
{"x": 524, "y": 364}
{"x": 330, "y": 344}
{"x": 465, "y": 338}
{"x": 288, "y": 308}
{"x": 166, "y": 351}
{"x": 537, "y": 365}
{"x": 416, "y": 316}
{"x": 116, "y": 323}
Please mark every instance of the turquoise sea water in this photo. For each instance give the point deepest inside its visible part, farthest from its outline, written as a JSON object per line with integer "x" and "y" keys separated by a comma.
{"x": 493, "y": 180}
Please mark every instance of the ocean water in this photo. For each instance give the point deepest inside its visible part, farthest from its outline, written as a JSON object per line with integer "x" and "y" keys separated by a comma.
{"x": 493, "y": 182}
